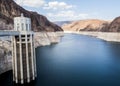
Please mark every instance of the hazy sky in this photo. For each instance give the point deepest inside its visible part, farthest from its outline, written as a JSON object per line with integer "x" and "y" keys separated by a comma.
{"x": 60, "y": 10}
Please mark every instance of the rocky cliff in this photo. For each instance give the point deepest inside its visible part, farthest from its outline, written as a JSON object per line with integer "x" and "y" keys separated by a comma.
{"x": 9, "y": 9}
{"x": 5, "y": 55}
{"x": 115, "y": 25}
{"x": 86, "y": 25}
{"x": 47, "y": 38}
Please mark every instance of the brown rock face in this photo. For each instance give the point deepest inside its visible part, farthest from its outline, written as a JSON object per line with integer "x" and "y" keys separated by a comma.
{"x": 9, "y": 9}
{"x": 115, "y": 25}
{"x": 87, "y": 25}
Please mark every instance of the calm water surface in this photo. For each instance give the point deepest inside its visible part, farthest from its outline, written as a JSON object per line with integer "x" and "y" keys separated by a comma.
{"x": 76, "y": 61}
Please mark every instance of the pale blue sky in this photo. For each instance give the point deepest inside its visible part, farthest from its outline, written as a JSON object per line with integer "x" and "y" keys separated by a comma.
{"x": 60, "y": 10}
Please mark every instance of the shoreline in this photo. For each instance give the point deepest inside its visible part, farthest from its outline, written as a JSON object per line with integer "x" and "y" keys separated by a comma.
{"x": 47, "y": 38}
{"x": 106, "y": 36}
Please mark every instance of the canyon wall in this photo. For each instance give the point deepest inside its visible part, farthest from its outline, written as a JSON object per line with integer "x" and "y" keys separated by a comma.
{"x": 5, "y": 55}
{"x": 9, "y": 9}
{"x": 94, "y": 25}
{"x": 47, "y": 38}
{"x": 87, "y": 25}
{"x": 115, "y": 25}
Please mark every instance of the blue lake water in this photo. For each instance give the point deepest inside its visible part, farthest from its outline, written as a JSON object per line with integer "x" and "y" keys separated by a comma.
{"x": 76, "y": 61}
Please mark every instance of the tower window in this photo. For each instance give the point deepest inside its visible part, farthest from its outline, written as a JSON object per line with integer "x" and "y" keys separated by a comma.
{"x": 17, "y": 26}
{"x": 29, "y": 26}
{"x": 26, "y": 27}
{"x": 22, "y": 26}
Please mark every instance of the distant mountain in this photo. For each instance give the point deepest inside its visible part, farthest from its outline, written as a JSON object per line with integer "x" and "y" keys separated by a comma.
{"x": 9, "y": 9}
{"x": 115, "y": 25}
{"x": 87, "y": 25}
{"x": 61, "y": 23}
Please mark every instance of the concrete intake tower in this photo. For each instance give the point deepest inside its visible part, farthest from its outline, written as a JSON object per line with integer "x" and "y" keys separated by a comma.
{"x": 23, "y": 54}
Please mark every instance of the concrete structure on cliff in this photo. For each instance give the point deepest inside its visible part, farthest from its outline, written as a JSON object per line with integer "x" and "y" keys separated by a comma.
{"x": 24, "y": 59}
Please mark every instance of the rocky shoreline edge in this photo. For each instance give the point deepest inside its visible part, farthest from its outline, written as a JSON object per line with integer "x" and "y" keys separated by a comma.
{"x": 106, "y": 36}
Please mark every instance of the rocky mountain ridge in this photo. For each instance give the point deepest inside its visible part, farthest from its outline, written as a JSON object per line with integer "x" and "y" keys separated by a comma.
{"x": 94, "y": 25}
{"x": 115, "y": 25}
{"x": 87, "y": 25}
{"x": 9, "y": 9}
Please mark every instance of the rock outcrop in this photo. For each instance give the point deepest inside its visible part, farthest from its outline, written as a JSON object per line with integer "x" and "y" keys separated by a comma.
{"x": 47, "y": 38}
{"x": 5, "y": 56}
{"x": 87, "y": 25}
{"x": 4, "y": 26}
{"x": 9, "y": 9}
{"x": 115, "y": 25}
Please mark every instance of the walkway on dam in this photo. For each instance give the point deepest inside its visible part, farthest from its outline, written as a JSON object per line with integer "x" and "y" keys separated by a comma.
{"x": 8, "y": 33}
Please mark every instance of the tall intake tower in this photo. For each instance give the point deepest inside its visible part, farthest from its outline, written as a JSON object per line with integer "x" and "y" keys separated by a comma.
{"x": 24, "y": 59}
